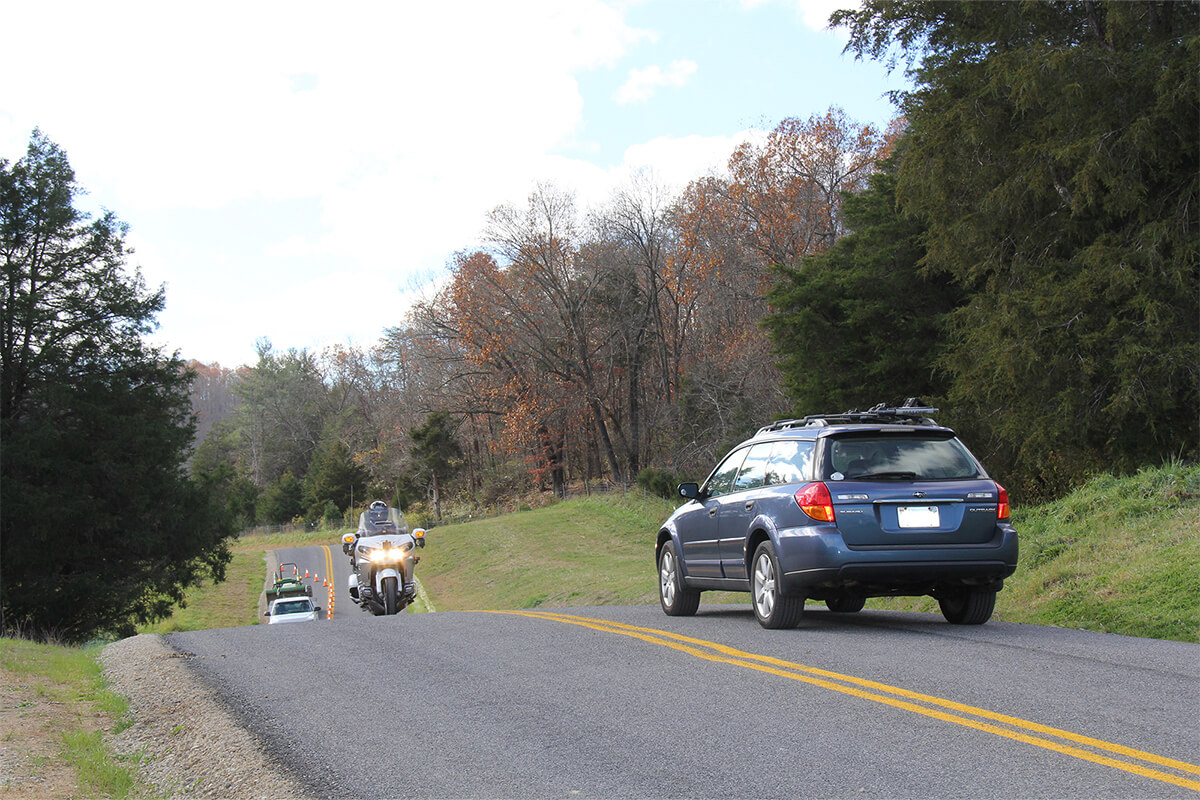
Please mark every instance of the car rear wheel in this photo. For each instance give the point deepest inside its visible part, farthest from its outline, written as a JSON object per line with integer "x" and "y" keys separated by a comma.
{"x": 846, "y": 603}
{"x": 677, "y": 600}
{"x": 968, "y": 606}
{"x": 772, "y": 607}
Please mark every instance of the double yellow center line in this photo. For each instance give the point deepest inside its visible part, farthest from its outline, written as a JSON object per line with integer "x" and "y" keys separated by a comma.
{"x": 1147, "y": 765}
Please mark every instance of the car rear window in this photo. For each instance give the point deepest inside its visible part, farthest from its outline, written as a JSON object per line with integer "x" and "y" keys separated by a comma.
{"x": 293, "y": 607}
{"x": 898, "y": 457}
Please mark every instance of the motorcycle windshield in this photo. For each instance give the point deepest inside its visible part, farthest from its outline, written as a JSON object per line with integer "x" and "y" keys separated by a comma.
{"x": 374, "y": 521}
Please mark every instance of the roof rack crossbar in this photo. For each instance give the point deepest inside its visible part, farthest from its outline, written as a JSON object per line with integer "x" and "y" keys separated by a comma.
{"x": 912, "y": 412}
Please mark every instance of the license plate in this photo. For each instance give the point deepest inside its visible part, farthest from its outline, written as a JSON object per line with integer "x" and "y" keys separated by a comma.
{"x": 918, "y": 516}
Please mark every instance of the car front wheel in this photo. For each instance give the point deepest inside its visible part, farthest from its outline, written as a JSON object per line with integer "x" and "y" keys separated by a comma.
{"x": 772, "y": 607}
{"x": 968, "y": 606}
{"x": 677, "y": 599}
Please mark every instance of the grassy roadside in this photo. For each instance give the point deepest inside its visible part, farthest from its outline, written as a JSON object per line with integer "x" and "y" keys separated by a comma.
{"x": 1120, "y": 555}
{"x": 58, "y": 712}
{"x": 57, "y": 715}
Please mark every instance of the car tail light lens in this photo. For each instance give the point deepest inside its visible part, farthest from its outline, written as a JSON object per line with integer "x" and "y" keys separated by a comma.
{"x": 1002, "y": 508}
{"x": 815, "y": 501}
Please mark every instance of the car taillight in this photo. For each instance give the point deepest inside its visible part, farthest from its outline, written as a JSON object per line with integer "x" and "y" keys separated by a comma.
{"x": 1002, "y": 509}
{"x": 815, "y": 501}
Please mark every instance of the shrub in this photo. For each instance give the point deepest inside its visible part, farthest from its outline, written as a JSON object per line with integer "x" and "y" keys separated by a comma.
{"x": 660, "y": 482}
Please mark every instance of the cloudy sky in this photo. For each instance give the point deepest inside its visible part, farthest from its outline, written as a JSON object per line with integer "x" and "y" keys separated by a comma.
{"x": 298, "y": 170}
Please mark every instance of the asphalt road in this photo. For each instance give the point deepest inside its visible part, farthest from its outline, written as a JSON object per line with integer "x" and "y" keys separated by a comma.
{"x": 627, "y": 702}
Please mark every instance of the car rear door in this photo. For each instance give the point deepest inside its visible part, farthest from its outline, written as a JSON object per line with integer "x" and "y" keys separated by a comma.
{"x": 737, "y": 510}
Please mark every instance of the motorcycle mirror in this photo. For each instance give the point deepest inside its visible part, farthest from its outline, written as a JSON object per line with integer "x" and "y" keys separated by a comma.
{"x": 347, "y": 538}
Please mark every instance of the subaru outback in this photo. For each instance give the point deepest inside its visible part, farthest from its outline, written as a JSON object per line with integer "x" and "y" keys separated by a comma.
{"x": 838, "y": 508}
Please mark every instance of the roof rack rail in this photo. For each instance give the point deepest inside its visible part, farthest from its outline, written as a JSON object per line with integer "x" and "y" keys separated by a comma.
{"x": 911, "y": 413}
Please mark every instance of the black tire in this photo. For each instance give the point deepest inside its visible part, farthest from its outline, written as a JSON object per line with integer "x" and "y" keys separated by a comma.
{"x": 388, "y": 590}
{"x": 773, "y": 608}
{"x": 968, "y": 606}
{"x": 677, "y": 599}
{"x": 846, "y": 603}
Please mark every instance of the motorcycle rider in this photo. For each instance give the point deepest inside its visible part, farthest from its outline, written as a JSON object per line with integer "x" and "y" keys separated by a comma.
{"x": 380, "y": 519}
{"x": 375, "y": 520}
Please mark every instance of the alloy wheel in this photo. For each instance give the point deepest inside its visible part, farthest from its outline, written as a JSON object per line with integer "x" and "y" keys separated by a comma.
{"x": 764, "y": 586}
{"x": 666, "y": 576}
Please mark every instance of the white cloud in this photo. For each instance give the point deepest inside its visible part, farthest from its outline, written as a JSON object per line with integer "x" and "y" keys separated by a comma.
{"x": 813, "y": 14}
{"x": 390, "y": 127}
{"x": 677, "y": 160}
{"x": 641, "y": 84}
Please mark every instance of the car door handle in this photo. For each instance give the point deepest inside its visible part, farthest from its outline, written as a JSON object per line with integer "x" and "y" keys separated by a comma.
{"x": 749, "y": 504}
{"x": 712, "y": 512}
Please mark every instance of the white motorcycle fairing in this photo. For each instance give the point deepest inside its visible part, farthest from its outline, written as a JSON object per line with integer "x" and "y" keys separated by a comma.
{"x": 369, "y": 582}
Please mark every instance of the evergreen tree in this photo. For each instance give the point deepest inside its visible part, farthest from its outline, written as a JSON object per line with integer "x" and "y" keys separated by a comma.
{"x": 435, "y": 454}
{"x": 333, "y": 477}
{"x": 1054, "y": 156}
{"x": 215, "y": 465}
{"x": 861, "y": 323}
{"x": 101, "y": 527}
{"x": 282, "y": 500}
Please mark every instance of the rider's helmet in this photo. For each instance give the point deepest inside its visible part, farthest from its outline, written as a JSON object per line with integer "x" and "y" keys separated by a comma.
{"x": 376, "y": 519}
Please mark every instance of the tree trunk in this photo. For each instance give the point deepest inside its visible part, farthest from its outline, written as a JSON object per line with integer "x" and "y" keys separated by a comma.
{"x": 602, "y": 433}
{"x": 437, "y": 499}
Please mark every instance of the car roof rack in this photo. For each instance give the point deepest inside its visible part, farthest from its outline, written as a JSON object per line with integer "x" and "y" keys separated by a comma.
{"x": 911, "y": 413}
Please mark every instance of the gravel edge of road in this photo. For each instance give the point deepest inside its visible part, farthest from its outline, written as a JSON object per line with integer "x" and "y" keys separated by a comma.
{"x": 188, "y": 742}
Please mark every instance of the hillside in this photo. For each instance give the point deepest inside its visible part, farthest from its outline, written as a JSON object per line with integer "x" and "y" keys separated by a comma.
{"x": 1120, "y": 555}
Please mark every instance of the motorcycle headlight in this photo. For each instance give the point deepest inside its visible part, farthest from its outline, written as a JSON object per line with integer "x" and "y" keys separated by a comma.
{"x": 386, "y": 556}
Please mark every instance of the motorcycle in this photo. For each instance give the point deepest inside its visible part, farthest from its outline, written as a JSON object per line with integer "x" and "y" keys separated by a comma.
{"x": 382, "y": 560}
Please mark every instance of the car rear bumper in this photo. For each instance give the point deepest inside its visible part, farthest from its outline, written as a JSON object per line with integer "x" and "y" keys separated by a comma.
{"x": 816, "y": 561}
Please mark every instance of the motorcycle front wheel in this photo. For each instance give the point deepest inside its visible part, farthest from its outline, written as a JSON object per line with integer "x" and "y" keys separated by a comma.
{"x": 388, "y": 588}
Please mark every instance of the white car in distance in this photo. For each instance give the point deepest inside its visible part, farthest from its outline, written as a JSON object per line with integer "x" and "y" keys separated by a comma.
{"x": 292, "y": 609}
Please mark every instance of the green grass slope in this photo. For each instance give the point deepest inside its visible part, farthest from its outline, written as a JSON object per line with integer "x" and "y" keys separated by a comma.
{"x": 1118, "y": 555}
{"x": 594, "y": 551}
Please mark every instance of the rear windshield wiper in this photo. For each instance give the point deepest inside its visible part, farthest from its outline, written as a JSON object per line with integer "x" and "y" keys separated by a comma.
{"x": 903, "y": 476}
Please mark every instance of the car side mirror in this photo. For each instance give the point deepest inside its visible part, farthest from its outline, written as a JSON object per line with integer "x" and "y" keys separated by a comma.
{"x": 689, "y": 490}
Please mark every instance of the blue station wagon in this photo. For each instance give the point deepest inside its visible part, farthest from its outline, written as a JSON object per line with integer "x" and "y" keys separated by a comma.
{"x": 839, "y": 508}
